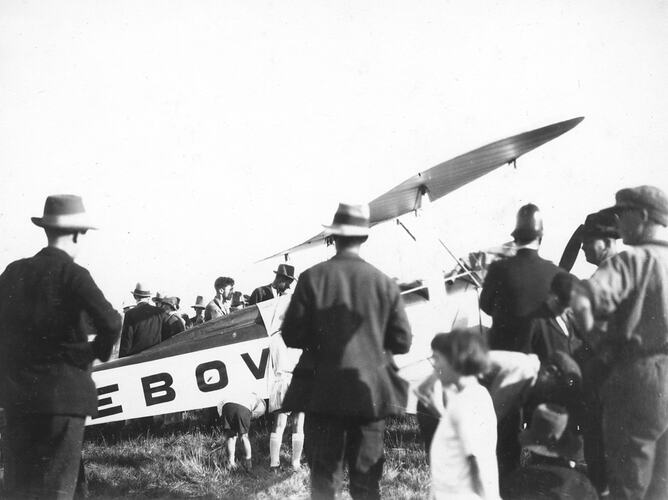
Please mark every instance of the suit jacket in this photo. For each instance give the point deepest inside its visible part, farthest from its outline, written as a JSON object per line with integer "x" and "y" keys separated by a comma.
{"x": 349, "y": 319}
{"x": 261, "y": 294}
{"x": 545, "y": 336}
{"x": 142, "y": 328}
{"x": 513, "y": 290}
{"x": 46, "y": 304}
{"x": 216, "y": 309}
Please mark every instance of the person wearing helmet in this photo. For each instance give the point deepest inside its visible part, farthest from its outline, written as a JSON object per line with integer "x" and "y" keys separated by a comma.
{"x": 513, "y": 290}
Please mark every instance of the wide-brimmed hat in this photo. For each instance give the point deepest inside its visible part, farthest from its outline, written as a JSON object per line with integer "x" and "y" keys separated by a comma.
{"x": 548, "y": 434}
{"x": 529, "y": 224}
{"x": 650, "y": 198}
{"x": 64, "y": 211}
{"x": 350, "y": 220}
{"x": 286, "y": 270}
{"x": 141, "y": 290}
{"x": 199, "y": 303}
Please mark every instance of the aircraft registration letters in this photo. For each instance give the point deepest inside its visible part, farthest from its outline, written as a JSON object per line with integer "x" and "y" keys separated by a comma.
{"x": 182, "y": 382}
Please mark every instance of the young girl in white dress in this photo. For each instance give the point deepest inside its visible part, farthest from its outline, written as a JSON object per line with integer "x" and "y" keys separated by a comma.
{"x": 463, "y": 450}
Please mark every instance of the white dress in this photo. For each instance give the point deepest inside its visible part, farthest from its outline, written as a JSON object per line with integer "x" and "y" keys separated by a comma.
{"x": 467, "y": 427}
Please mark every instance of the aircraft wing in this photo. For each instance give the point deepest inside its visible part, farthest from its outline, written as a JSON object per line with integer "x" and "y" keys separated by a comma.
{"x": 445, "y": 177}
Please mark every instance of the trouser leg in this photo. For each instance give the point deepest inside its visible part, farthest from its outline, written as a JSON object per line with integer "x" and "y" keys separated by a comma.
{"x": 47, "y": 450}
{"x": 594, "y": 373}
{"x": 635, "y": 419}
{"x": 365, "y": 457}
{"x": 326, "y": 437}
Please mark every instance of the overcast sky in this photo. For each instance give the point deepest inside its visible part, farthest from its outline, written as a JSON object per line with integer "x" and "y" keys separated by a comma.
{"x": 206, "y": 135}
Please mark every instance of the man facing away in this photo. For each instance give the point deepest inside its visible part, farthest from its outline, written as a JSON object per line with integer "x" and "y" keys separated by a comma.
{"x": 349, "y": 319}
{"x": 513, "y": 290}
{"x": 285, "y": 275}
{"x": 630, "y": 290}
{"x": 142, "y": 325}
{"x": 221, "y": 303}
{"x": 45, "y": 356}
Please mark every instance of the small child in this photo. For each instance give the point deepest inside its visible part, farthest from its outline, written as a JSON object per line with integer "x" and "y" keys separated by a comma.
{"x": 463, "y": 449}
{"x": 236, "y": 413}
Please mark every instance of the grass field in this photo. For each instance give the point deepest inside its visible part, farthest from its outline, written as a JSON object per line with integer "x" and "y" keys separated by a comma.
{"x": 185, "y": 460}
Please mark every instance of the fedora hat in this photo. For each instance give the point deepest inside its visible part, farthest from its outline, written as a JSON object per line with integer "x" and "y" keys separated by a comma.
{"x": 157, "y": 298}
{"x": 64, "y": 211}
{"x": 350, "y": 220}
{"x": 141, "y": 291}
{"x": 199, "y": 303}
{"x": 285, "y": 270}
{"x": 548, "y": 434}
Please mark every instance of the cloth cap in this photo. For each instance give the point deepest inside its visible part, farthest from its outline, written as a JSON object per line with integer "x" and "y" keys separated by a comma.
{"x": 350, "y": 220}
{"x": 548, "y": 434}
{"x": 64, "y": 211}
{"x": 602, "y": 224}
{"x": 173, "y": 302}
{"x": 141, "y": 290}
{"x": 285, "y": 270}
{"x": 650, "y": 198}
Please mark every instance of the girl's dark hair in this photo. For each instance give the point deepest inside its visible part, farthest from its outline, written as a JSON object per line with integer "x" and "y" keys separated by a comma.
{"x": 466, "y": 351}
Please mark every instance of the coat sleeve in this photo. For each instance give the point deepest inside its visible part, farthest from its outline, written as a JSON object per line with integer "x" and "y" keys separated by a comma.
{"x": 127, "y": 335}
{"x": 296, "y": 329}
{"x": 490, "y": 289}
{"x": 398, "y": 335}
{"x": 105, "y": 318}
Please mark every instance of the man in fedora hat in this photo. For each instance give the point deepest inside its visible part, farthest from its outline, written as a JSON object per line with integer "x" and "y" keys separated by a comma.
{"x": 45, "y": 356}
{"x": 285, "y": 275}
{"x": 630, "y": 290}
{"x": 346, "y": 379}
{"x": 221, "y": 304}
{"x": 142, "y": 325}
{"x": 550, "y": 470}
{"x": 513, "y": 290}
{"x": 199, "y": 307}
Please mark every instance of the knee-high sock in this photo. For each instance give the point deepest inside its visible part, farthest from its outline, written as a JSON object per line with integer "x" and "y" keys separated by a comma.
{"x": 297, "y": 447}
{"x": 274, "y": 449}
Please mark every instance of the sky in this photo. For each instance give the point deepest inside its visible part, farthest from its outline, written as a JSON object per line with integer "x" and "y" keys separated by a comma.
{"x": 206, "y": 135}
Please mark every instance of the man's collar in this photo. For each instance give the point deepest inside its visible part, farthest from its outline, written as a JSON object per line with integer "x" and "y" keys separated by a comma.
{"x": 55, "y": 252}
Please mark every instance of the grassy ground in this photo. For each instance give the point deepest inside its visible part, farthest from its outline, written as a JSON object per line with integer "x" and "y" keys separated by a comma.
{"x": 185, "y": 460}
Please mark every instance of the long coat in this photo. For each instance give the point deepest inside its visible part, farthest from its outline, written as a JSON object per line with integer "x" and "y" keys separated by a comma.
{"x": 142, "y": 328}
{"x": 513, "y": 290}
{"x": 349, "y": 319}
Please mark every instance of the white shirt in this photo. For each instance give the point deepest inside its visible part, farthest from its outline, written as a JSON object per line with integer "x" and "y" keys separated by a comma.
{"x": 467, "y": 427}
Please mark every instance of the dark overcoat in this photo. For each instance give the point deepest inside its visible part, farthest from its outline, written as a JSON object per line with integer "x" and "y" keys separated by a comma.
{"x": 260, "y": 294}
{"x": 46, "y": 304}
{"x": 513, "y": 290}
{"x": 349, "y": 319}
{"x": 142, "y": 328}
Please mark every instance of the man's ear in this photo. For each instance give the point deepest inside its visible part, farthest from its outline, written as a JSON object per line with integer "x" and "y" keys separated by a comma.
{"x": 645, "y": 214}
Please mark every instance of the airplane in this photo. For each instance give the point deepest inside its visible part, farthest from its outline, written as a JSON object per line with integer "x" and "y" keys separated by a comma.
{"x": 192, "y": 369}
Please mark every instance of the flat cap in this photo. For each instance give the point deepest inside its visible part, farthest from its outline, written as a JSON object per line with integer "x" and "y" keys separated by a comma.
{"x": 602, "y": 224}
{"x": 650, "y": 198}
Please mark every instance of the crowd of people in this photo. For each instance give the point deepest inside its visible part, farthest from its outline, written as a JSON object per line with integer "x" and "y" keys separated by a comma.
{"x": 566, "y": 395}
